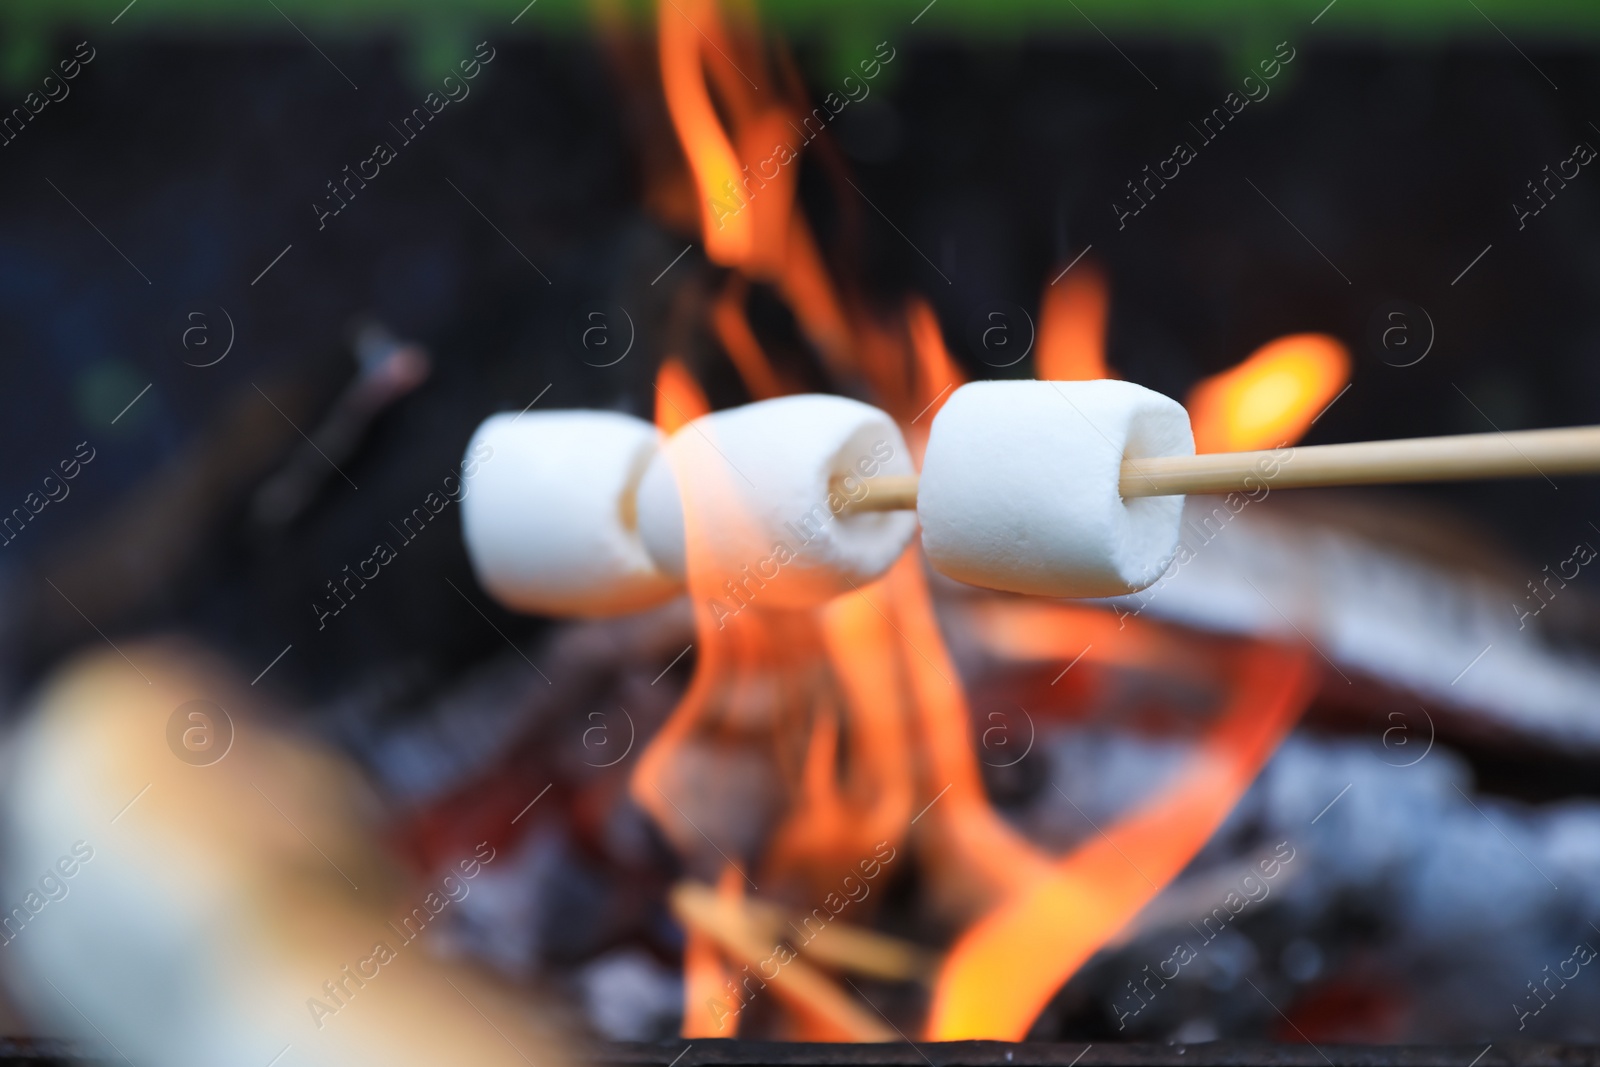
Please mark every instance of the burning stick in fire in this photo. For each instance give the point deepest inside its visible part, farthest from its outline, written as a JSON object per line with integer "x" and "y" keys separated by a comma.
{"x": 742, "y": 934}
{"x": 846, "y": 946}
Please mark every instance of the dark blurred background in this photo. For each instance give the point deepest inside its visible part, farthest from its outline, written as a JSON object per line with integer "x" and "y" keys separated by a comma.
{"x": 1375, "y": 171}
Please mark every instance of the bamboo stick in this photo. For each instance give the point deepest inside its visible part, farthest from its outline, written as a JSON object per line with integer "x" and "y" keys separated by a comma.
{"x": 796, "y": 981}
{"x": 844, "y": 945}
{"x": 1520, "y": 454}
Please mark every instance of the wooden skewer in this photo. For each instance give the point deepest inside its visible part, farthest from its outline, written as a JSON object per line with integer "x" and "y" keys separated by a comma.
{"x": 1520, "y": 454}
{"x": 839, "y": 944}
{"x": 796, "y": 981}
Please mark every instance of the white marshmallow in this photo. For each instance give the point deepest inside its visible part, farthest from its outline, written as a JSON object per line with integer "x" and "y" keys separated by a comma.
{"x": 550, "y": 517}
{"x": 760, "y": 511}
{"x": 200, "y": 929}
{"x": 1019, "y": 487}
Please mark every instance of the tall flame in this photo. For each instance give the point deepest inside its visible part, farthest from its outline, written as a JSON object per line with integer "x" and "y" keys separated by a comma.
{"x": 679, "y": 398}
{"x": 937, "y": 375}
{"x": 732, "y": 327}
{"x": 838, "y": 818}
{"x": 1072, "y": 327}
{"x": 1002, "y": 972}
{"x": 859, "y": 704}
{"x": 729, "y": 233}
{"x": 707, "y": 973}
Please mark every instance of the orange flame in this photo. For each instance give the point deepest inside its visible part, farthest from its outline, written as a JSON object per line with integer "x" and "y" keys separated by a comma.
{"x": 805, "y": 284}
{"x": 707, "y": 975}
{"x": 840, "y": 817}
{"x": 732, "y": 327}
{"x": 1270, "y": 399}
{"x": 936, "y": 374}
{"x": 858, "y": 704}
{"x": 1072, "y": 327}
{"x": 1002, "y": 972}
{"x": 729, "y": 232}
{"x": 975, "y": 857}
{"x": 746, "y": 172}
{"x": 679, "y": 398}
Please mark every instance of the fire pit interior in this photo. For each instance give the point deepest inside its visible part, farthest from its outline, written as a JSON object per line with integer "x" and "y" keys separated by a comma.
{"x": 1329, "y": 780}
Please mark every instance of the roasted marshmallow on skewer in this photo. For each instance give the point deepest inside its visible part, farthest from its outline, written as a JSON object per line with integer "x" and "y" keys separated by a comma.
{"x": 767, "y": 488}
{"x": 583, "y": 512}
{"x": 550, "y": 517}
{"x": 1041, "y": 487}
{"x": 1019, "y": 487}
{"x": 1076, "y": 488}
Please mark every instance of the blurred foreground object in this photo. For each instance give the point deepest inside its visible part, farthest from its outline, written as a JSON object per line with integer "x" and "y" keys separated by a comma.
{"x": 192, "y": 889}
